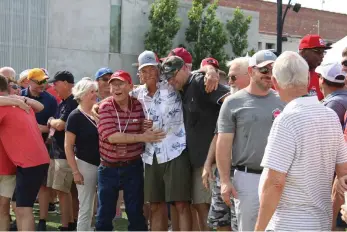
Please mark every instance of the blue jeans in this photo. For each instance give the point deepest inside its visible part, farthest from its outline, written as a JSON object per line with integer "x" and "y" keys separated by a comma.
{"x": 110, "y": 181}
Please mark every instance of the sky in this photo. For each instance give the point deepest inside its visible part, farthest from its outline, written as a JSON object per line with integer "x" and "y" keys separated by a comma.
{"x": 338, "y": 6}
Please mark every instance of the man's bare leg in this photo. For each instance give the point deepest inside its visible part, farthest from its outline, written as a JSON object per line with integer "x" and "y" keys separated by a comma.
{"x": 65, "y": 203}
{"x": 202, "y": 210}
{"x": 174, "y": 218}
{"x": 44, "y": 199}
{"x": 195, "y": 219}
{"x": 4, "y": 213}
{"x": 159, "y": 219}
{"x": 184, "y": 216}
{"x": 25, "y": 219}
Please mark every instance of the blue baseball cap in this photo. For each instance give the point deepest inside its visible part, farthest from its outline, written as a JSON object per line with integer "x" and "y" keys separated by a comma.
{"x": 101, "y": 72}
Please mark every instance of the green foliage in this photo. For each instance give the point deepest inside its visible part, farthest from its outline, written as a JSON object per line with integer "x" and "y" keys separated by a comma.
{"x": 238, "y": 27}
{"x": 164, "y": 26}
{"x": 205, "y": 35}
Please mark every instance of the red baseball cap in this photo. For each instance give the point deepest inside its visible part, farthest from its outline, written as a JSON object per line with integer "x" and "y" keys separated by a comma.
{"x": 121, "y": 75}
{"x": 312, "y": 41}
{"x": 210, "y": 61}
{"x": 181, "y": 52}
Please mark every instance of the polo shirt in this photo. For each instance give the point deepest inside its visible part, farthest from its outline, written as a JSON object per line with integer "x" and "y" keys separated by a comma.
{"x": 337, "y": 101}
{"x": 200, "y": 113}
{"x": 109, "y": 124}
{"x": 21, "y": 137}
{"x": 49, "y": 110}
{"x": 6, "y": 165}
{"x": 313, "y": 88}
{"x": 64, "y": 109}
{"x": 305, "y": 143}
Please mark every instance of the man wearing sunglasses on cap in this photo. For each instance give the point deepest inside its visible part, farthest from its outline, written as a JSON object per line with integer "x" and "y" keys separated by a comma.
{"x": 244, "y": 123}
{"x": 37, "y": 81}
{"x": 312, "y": 48}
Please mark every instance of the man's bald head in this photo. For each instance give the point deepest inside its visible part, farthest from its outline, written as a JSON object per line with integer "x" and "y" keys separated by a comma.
{"x": 8, "y": 72}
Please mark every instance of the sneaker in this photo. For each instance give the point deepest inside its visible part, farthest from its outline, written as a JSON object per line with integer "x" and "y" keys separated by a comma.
{"x": 42, "y": 225}
{"x": 52, "y": 208}
{"x": 72, "y": 226}
{"x": 13, "y": 226}
{"x": 60, "y": 228}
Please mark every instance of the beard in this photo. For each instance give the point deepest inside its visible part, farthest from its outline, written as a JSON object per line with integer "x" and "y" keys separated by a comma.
{"x": 233, "y": 89}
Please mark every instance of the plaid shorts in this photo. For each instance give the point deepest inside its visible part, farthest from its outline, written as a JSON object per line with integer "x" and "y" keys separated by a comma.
{"x": 220, "y": 215}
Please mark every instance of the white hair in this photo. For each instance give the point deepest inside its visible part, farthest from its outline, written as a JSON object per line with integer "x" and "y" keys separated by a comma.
{"x": 8, "y": 72}
{"x": 241, "y": 62}
{"x": 290, "y": 70}
{"x": 82, "y": 87}
{"x": 23, "y": 75}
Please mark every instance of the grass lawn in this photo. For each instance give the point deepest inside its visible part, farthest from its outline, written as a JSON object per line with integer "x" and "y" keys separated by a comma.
{"x": 53, "y": 221}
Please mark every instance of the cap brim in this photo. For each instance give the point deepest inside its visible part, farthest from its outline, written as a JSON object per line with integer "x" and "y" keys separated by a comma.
{"x": 52, "y": 80}
{"x": 117, "y": 78}
{"x": 264, "y": 63}
{"x": 149, "y": 64}
{"x": 135, "y": 64}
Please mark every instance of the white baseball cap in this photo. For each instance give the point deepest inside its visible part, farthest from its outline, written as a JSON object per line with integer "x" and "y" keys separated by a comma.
{"x": 332, "y": 72}
{"x": 147, "y": 58}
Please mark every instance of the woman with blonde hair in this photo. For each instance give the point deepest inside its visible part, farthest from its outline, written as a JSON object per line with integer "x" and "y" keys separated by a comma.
{"x": 82, "y": 149}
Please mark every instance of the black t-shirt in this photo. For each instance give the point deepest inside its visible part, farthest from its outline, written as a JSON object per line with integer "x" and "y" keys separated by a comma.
{"x": 64, "y": 110}
{"x": 200, "y": 110}
{"x": 87, "y": 138}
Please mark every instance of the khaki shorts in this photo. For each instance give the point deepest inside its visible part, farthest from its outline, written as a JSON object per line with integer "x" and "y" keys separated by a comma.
{"x": 7, "y": 185}
{"x": 59, "y": 175}
{"x": 200, "y": 194}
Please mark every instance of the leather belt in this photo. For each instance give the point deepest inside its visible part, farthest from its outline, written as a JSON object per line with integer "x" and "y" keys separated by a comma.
{"x": 119, "y": 163}
{"x": 248, "y": 170}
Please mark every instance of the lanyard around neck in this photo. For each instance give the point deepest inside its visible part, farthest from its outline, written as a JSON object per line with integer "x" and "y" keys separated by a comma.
{"x": 126, "y": 125}
{"x": 89, "y": 119}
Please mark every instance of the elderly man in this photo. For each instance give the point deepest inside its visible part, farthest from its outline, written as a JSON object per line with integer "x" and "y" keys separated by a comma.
{"x": 200, "y": 115}
{"x": 121, "y": 146}
{"x": 243, "y": 125}
{"x": 8, "y": 72}
{"x": 295, "y": 185}
{"x": 221, "y": 216}
{"x": 312, "y": 48}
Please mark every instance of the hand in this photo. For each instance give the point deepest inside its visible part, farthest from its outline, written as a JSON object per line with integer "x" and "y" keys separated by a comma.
{"x": 49, "y": 122}
{"x": 207, "y": 175}
{"x": 211, "y": 80}
{"x": 78, "y": 178}
{"x": 153, "y": 136}
{"x": 227, "y": 190}
{"x": 95, "y": 112}
{"x": 341, "y": 185}
{"x": 344, "y": 212}
{"x": 21, "y": 104}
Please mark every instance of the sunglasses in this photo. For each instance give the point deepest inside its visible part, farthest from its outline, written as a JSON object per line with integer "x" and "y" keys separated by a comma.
{"x": 319, "y": 51}
{"x": 344, "y": 63}
{"x": 264, "y": 70}
{"x": 15, "y": 87}
{"x": 40, "y": 82}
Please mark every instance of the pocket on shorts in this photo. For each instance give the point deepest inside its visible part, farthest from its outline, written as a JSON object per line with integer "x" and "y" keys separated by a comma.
{"x": 63, "y": 180}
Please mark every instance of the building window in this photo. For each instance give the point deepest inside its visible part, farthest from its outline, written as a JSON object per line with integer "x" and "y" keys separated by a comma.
{"x": 115, "y": 24}
{"x": 269, "y": 46}
{"x": 260, "y": 46}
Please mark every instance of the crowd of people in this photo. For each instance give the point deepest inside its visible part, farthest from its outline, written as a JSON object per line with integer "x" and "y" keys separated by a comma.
{"x": 260, "y": 149}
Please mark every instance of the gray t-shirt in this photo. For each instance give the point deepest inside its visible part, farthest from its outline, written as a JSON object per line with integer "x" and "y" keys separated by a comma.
{"x": 250, "y": 118}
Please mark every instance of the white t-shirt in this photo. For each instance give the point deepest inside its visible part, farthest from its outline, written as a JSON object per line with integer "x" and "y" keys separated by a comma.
{"x": 306, "y": 142}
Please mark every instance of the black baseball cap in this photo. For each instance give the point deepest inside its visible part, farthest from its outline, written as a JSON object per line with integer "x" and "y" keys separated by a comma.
{"x": 63, "y": 76}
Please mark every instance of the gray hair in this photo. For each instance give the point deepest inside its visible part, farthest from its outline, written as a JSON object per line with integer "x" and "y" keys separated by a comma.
{"x": 8, "y": 72}
{"x": 290, "y": 70}
{"x": 240, "y": 62}
{"x": 82, "y": 87}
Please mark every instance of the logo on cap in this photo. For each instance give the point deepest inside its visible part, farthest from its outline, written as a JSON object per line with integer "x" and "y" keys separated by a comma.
{"x": 321, "y": 42}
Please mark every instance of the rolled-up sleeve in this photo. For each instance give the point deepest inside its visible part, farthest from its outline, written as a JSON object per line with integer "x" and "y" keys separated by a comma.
{"x": 280, "y": 149}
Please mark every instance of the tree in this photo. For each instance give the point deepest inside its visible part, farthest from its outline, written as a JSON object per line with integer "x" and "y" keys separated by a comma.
{"x": 205, "y": 35}
{"x": 238, "y": 27}
{"x": 164, "y": 26}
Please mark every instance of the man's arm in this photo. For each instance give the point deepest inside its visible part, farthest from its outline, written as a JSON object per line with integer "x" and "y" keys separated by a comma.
{"x": 10, "y": 101}
{"x": 211, "y": 78}
{"x": 149, "y": 135}
{"x": 57, "y": 124}
{"x": 207, "y": 173}
{"x": 35, "y": 105}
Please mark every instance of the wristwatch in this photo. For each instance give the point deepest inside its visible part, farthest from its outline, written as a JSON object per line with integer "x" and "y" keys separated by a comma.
{"x": 25, "y": 100}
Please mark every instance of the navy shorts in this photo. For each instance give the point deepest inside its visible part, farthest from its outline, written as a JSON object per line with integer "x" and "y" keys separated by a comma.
{"x": 28, "y": 183}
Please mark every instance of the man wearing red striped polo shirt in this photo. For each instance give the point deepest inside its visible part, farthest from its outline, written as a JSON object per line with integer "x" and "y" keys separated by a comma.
{"x": 121, "y": 141}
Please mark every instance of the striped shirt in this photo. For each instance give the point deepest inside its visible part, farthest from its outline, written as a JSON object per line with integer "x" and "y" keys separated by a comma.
{"x": 109, "y": 124}
{"x": 306, "y": 143}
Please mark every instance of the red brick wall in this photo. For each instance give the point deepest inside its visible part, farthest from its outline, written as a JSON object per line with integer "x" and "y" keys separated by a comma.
{"x": 333, "y": 26}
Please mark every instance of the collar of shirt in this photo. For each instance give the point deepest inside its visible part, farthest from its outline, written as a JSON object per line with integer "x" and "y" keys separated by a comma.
{"x": 26, "y": 93}
{"x": 68, "y": 98}
{"x": 307, "y": 100}
{"x": 335, "y": 93}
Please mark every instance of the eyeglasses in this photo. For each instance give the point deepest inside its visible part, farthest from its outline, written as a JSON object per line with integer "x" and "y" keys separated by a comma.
{"x": 40, "y": 82}
{"x": 119, "y": 85}
{"x": 234, "y": 77}
{"x": 319, "y": 51}
{"x": 264, "y": 70}
{"x": 105, "y": 79}
{"x": 344, "y": 63}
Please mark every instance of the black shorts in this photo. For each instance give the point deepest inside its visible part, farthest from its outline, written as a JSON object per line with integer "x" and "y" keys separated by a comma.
{"x": 28, "y": 183}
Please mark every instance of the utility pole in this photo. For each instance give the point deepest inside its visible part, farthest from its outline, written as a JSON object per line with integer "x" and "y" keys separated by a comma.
{"x": 279, "y": 26}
